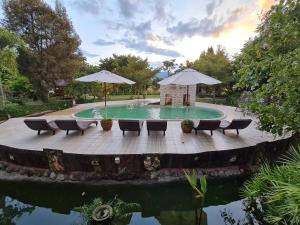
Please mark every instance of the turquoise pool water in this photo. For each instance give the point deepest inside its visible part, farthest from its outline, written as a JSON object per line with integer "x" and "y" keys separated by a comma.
{"x": 150, "y": 112}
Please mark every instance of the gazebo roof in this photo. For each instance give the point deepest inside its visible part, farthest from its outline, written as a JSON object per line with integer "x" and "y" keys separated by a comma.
{"x": 189, "y": 77}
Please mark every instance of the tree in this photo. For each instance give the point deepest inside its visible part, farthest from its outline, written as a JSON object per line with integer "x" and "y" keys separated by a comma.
{"x": 269, "y": 67}
{"x": 78, "y": 89}
{"x": 53, "y": 52}
{"x": 131, "y": 67}
{"x": 11, "y": 82}
{"x": 214, "y": 63}
{"x": 169, "y": 66}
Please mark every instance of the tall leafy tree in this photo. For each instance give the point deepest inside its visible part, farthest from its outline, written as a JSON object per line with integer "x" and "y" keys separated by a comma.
{"x": 169, "y": 66}
{"x": 131, "y": 67}
{"x": 269, "y": 67}
{"x": 215, "y": 63}
{"x": 11, "y": 82}
{"x": 53, "y": 51}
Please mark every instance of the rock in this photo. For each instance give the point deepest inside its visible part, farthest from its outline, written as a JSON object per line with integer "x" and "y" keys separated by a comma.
{"x": 46, "y": 173}
{"x": 52, "y": 175}
{"x": 60, "y": 177}
{"x": 72, "y": 177}
{"x": 153, "y": 175}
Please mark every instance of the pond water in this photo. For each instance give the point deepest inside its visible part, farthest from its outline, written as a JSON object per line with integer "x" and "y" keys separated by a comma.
{"x": 44, "y": 204}
{"x": 150, "y": 112}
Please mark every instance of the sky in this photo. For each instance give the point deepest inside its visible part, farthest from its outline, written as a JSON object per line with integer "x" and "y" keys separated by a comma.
{"x": 162, "y": 29}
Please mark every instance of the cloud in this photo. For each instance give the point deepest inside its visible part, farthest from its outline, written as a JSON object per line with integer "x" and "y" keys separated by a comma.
{"x": 206, "y": 26}
{"x": 160, "y": 12}
{"x": 142, "y": 30}
{"x": 92, "y": 7}
{"x": 88, "y": 54}
{"x": 143, "y": 46}
{"x": 102, "y": 42}
{"x": 128, "y": 8}
{"x": 266, "y": 4}
{"x": 211, "y": 6}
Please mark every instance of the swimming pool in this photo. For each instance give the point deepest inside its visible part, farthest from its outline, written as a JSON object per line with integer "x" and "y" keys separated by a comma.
{"x": 150, "y": 112}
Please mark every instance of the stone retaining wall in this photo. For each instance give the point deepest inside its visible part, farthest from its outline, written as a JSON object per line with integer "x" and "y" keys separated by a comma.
{"x": 56, "y": 164}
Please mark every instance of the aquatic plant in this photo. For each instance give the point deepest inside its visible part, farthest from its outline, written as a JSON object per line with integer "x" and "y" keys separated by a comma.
{"x": 273, "y": 194}
{"x": 122, "y": 211}
{"x": 200, "y": 189}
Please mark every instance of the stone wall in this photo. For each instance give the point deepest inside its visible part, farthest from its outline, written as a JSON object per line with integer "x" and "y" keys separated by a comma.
{"x": 55, "y": 163}
{"x": 176, "y": 93}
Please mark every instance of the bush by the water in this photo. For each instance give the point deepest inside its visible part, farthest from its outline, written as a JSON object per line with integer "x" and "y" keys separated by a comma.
{"x": 16, "y": 110}
{"x": 273, "y": 195}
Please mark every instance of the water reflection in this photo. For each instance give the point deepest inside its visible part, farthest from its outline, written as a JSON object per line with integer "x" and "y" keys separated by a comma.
{"x": 161, "y": 205}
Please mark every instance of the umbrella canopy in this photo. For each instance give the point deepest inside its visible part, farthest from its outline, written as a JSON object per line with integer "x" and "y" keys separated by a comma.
{"x": 189, "y": 77}
{"x": 105, "y": 76}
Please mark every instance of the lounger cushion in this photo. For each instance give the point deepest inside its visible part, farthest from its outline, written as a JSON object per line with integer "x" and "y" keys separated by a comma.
{"x": 130, "y": 125}
{"x": 157, "y": 125}
{"x": 40, "y": 124}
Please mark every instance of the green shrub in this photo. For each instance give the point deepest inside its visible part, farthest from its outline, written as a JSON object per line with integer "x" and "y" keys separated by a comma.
{"x": 273, "y": 195}
{"x": 17, "y": 110}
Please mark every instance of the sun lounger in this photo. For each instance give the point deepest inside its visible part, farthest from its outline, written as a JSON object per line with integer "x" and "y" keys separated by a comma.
{"x": 207, "y": 125}
{"x": 131, "y": 125}
{"x": 157, "y": 125}
{"x": 41, "y": 124}
{"x": 236, "y": 124}
{"x": 75, "y": 125}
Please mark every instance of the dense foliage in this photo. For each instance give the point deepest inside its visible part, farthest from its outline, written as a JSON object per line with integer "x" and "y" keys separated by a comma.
{"x": 17, "y": 110}
{"x": 215, "y": 63}
{"x": 12, "y": 84}
{"x": 273, "y": 194}
{"x": 269, "y": 67}
{"x": 131, "y": 67}
{"x": 52, "y": 52}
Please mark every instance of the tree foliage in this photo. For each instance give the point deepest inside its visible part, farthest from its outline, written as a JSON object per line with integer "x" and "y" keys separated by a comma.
{"x": 13, "y": 84}
{"x": 269, "y": 67}
{"x": 131, "y": 67}
{"x": 215, "y": 63}
{"x": 52, "y": 52}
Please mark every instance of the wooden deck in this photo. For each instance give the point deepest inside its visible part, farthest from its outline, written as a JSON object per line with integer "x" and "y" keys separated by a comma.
{"x": 14, "y": 133}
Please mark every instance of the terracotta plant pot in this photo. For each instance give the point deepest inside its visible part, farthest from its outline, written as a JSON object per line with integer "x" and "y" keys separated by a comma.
{"x": 106, "y": 124}
{"x": 187, "y": 126}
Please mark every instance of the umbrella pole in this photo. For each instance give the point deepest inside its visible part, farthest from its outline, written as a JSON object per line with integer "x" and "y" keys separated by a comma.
{"x": 187, "y": 95}
{"x": 104, "y": 94}
{"x": 105, "y": 100}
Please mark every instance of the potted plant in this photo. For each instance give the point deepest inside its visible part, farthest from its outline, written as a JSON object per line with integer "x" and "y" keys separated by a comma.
{"x": 106, "y": 124}
{"x": 187, "y": 126}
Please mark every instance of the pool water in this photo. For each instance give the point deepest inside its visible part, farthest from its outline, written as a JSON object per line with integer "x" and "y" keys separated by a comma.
{"x": 172, "y": 204}
{"x": 150, "y": 112}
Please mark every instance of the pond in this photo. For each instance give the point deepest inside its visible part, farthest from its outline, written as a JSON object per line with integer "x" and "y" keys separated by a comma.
{"x": 150, "y": 112}
{"x": 49, "y": 204}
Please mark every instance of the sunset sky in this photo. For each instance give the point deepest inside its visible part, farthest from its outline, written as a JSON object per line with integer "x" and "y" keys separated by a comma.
{"x": 162, "y": 29}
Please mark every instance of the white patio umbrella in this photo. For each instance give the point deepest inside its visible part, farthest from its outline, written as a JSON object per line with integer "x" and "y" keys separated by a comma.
{"x": 105, "y": 77}
{"x": 189, "y": 77}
